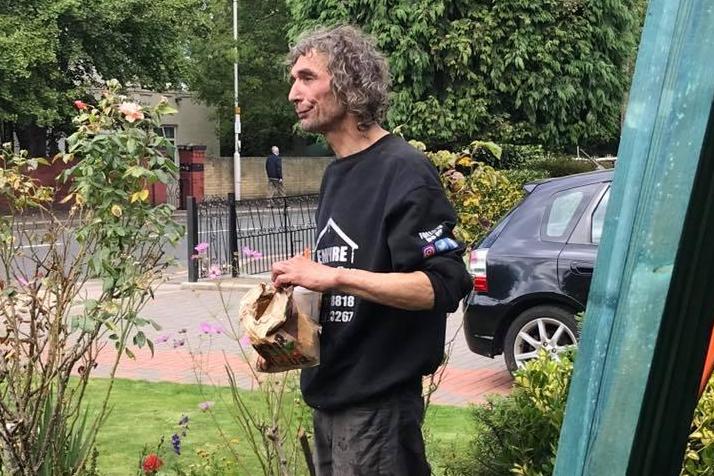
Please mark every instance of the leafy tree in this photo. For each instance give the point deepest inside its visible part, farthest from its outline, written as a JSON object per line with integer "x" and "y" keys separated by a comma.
{"x": 266, "y": 114}
{"x": 53, "y": 51}
{"x": 526, "y": 71}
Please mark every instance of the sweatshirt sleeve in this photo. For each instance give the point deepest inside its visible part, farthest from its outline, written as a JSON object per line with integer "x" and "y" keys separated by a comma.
{"x": 420, "y": 238}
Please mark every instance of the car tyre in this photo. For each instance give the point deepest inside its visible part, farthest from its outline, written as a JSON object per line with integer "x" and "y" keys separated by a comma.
{"x": 550, "y": 328}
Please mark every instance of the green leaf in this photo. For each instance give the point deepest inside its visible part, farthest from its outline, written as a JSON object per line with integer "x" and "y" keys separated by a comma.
{"x": 108, "y": 284}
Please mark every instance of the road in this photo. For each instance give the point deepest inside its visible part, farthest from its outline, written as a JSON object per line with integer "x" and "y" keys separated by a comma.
{"x": 257, "y": 232}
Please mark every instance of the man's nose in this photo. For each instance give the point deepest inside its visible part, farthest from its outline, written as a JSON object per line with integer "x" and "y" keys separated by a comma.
{"x": 294, "y": 94}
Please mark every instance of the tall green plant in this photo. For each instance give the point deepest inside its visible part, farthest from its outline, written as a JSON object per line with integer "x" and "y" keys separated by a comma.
{"x": 522, "y": 71}
{"x": 51, "y": 327}
{"x": 480, "y": 194}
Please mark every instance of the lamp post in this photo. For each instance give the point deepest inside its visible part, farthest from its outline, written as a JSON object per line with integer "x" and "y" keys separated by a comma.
{"x": 236, "y": 127}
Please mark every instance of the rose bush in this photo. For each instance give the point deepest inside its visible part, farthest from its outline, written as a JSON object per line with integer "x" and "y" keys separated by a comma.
{"x": 51, "y": 327}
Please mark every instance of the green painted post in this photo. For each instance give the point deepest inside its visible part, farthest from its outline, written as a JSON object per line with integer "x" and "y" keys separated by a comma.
{"x": 661, "y": 146}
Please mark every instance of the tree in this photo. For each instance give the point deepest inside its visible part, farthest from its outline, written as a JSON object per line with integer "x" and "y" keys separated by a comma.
{"x": 53, "y": 51}
{"x": 266, "y": 114}
{"x": 526, "y": 71}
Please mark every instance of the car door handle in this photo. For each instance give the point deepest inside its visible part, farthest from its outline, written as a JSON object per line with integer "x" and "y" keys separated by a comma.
{"x": 581, "y": 268}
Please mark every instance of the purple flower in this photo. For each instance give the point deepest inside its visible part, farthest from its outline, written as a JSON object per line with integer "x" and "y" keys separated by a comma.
{"x": 214, "y": 272}
{"x": 178, "y": 343}
{"x": 208, "y": 328}
{"x": 176, "y": 443}
{"x": 161, "y": 339}
{"x": 205, "y": 406}
{"x": 201, "y": 247}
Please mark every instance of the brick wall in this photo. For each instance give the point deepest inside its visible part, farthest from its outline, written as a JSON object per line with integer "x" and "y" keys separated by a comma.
{"x": 301, "y": 175}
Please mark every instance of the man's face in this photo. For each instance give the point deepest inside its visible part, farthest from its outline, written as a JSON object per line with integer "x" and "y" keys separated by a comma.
{"x": 317, "y": 108}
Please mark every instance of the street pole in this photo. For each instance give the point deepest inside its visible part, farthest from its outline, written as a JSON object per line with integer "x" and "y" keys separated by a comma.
{"x": 236, "y": 127}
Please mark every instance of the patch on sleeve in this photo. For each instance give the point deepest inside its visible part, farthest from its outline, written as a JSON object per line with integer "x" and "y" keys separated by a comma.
{"x": 431, "y": 235}
{"x": 440, "y": 246}
{"x": 429, "y": 250}
{"x": 445, "y": 244}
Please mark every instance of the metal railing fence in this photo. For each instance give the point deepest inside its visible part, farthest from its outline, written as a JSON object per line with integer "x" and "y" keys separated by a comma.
{"x": 246, "y": 237}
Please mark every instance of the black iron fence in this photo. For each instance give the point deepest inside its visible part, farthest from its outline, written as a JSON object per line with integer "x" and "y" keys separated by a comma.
{"x": 246, "y": 237}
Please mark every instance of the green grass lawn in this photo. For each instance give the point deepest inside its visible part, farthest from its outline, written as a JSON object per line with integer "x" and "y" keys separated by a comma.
{"x": 143, "y": 412}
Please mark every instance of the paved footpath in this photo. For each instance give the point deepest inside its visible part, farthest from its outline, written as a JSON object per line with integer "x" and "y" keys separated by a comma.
{"x": 185, "y": 354}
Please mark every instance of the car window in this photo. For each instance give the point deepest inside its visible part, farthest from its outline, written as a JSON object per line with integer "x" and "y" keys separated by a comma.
{"x": 599, "y": 218}
{"x": 562, "y": 212}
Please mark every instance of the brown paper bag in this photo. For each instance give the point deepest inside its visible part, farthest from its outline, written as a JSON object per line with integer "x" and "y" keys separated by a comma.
{"x": 285, "y": 337}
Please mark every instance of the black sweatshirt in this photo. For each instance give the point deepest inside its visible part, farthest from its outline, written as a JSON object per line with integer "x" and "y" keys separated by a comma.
{"x": 382, "y": 210}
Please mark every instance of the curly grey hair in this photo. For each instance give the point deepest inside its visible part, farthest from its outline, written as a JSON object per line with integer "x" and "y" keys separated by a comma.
{"x": 360, "y": 73}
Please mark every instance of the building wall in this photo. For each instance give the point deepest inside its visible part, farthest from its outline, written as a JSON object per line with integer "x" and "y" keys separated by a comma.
{"x": 301, "y": 175}
{"x": 195, "y": 123}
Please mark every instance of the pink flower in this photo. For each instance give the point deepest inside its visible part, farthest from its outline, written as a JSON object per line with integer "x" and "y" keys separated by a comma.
{"x": 131, "y": 110}
{"x": 178, "y": 343}
{"x": 205, "y": 406}
{"x": 251, "y": 253}
{"x": 208, "y": 328}
{"x": 214, "y": 272}
{"x": 161, "y": 339}
{"x": 22, "y": 281}
{"x": 80, "y": 105}
{"x": 201, "y": 247}
{"x": 245, "y": 341}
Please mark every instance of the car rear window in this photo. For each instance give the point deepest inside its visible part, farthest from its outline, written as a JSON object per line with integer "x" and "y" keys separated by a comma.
{"x": 598, "y": 219}
{"x": 564, "y": 211}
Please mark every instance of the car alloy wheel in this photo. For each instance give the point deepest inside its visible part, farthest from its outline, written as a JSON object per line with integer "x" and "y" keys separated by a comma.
{"x": 549, "y": 335}
{"x": 543, "y": 328}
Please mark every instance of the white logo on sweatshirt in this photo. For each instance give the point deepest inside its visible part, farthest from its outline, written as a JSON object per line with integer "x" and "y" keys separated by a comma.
{"x": 432, "y": 235}
{"x": 341, "y": 248}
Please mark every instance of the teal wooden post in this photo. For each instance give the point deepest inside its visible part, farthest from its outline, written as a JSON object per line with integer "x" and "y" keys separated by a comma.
{"x": 661, "y": 147}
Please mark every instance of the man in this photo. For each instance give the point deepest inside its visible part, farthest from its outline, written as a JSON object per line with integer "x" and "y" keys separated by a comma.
{"x": 385, "y": 259}
{"x": 274, "y": 170}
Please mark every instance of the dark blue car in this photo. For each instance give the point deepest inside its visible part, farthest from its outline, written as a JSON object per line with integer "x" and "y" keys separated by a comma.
{"x": 532, "y": 272}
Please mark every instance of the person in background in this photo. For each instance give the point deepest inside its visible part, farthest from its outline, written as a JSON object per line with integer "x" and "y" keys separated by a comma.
{"x": 385, "y": 259}
{"x": 274, "y": 170}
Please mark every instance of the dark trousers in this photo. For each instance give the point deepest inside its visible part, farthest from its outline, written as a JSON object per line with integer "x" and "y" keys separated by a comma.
{"x": 374, "y": 439}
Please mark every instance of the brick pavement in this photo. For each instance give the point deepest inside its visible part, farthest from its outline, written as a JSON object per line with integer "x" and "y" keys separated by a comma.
{"x": 183, "y": 354}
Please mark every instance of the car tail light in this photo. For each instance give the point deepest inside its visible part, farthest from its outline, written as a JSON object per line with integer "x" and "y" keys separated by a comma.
{"x": 477, "y": 267}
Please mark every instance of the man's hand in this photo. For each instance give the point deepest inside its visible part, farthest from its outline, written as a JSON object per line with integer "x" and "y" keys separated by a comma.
{"x": 302, "y": 271}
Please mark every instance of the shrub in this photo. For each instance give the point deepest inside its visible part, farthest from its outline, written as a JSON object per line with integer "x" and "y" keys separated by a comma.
{"x": 52, "y": 330}
{"x": 480, "y": 194}
{"x": 699, "y": 456}
{"x": 518, "y": 433}
{"x": 520, "y": 177}
{"x": 517, "y": 156}
{"x": 562, "y": 166}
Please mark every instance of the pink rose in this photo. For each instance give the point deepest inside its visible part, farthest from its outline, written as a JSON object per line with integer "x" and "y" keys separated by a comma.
{"x": 131, "y": 110}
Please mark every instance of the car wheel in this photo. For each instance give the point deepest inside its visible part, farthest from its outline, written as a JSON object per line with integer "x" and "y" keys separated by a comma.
{"x": 550, "y": 328}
